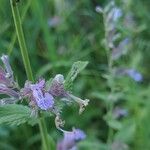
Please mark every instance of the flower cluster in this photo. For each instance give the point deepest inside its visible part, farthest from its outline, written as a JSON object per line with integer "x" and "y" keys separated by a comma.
{"x": 117, "y": 48}
{"x": 42, "y": 96}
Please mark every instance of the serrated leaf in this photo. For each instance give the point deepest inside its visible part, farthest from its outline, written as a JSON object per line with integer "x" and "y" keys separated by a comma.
{"x": 14, "y": 114}
{"x": 76, "y": 68}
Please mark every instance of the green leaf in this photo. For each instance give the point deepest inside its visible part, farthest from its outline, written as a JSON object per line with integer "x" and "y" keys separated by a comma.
{"x": 115, "y": 124}
{"x": 14, "y": 114}
{"x": 77, "y": 67}
{"x": 126, "y": 134}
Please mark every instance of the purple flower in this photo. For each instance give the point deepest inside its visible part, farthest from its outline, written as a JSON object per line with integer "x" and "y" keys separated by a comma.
{"x": 8, "y": 91}
{"x": 121, "y": 49}
{"x": 3, "y": 79}
{"x": 117, "y": 13}
{"x": 38, "y": 95}
{"x": 54, "y": 21}
{"x": 70, "y": 139}
{"x": 113, "y": 12}
{"x": 112, "y": 17}
{"x": 120, "y": 112}
{"x": 134, "y": 75}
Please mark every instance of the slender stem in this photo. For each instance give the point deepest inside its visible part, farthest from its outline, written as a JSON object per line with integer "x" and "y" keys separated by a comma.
{"x": 44, "y": 134}
{"x": 110, "y": 81}
{"x": 21, "y": 39}
{"x": 14, "y": 36}
{"x": 26, "y": 61}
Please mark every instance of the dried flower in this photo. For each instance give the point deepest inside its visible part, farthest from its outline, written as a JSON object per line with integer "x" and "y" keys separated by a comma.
{"x": 82, "y": 103}
{"x": 59, "y": 122}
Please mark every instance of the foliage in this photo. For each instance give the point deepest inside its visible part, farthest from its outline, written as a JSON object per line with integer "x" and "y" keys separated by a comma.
{"x": 78, "y": 34}
{"x": 13, "y": 114}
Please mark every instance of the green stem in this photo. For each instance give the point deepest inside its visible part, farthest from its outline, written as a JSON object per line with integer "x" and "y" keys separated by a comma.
{"x": 14, "y": 36}
{"x": 21, "y": 39}
{"x": 26, "y": 61}
{"x": 110, "y": 80}
{"x": 44, "y": 134}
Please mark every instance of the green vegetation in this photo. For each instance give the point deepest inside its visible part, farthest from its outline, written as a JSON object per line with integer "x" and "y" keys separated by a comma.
{"x": 113, "y": 61}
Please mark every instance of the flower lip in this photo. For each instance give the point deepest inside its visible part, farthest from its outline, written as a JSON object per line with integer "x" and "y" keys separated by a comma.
{"x": 47, "y": 102}
{"x": 44, "y": 100}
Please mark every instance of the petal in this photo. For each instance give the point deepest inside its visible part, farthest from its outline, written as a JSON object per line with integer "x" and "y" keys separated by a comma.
{"x": 46, "y": 102}
{"x": 41, "y": 83}
{"x": 8, "y": 91}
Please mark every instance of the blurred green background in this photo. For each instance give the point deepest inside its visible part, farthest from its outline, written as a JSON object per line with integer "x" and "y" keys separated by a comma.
{"x": 60, "y": 32}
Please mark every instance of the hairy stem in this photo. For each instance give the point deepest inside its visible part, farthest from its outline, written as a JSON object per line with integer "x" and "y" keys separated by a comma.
{"x": 26, "y": 61}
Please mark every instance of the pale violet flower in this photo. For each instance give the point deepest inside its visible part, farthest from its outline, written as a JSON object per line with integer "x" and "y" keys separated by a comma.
{"x": 119, "y": 112}
{"x": 38, "y": 95}
{"x": 54, "y": 21}
{"x": 117, "y": 13}
{"x": 121, "y": 49}
{"x": 135, "y": 75}
{"x": 132, "y": 73}
{"x": 44, "y": 100}
{"x": 7, "y": 84}
{"x": 8, "y": 91}
{"x": 70, "y": 139}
